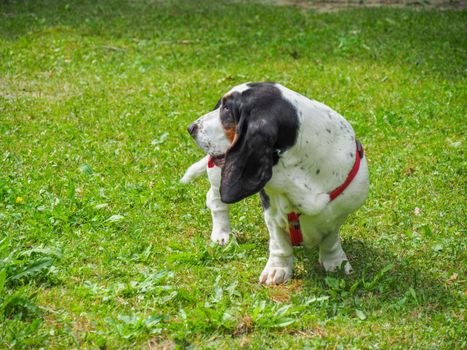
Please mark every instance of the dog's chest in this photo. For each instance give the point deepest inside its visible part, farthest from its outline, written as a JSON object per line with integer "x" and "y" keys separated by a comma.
{"x": 296, "y": 184}
{"x": 319, "y": 161}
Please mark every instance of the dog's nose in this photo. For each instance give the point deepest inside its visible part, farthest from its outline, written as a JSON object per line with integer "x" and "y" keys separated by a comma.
{"x": 193, "y": 129}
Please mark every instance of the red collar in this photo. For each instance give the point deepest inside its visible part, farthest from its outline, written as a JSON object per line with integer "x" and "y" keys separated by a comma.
{"x": 296, "y": 237}
{"x": 211, "y": 162}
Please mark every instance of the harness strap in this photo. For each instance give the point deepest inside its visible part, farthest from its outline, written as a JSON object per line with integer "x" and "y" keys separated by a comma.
{"x": 295, "y": 232}
{"x": 296, "y": 237}
{"x": 358, "y": 155}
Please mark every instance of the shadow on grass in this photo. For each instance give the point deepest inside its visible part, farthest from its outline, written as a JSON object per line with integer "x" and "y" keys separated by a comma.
{"x": 380, "y": 279}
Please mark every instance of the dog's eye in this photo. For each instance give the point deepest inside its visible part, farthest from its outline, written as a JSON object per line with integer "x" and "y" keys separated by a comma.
{"x": 226, "y": 108}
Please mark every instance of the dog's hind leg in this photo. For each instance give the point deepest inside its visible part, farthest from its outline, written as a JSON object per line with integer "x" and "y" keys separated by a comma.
{"x": 331, "y": 254}
{"x": 219, "y": 210}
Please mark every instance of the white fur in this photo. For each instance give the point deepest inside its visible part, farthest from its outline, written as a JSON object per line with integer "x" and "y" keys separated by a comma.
{"x": 195, "y": 170}
{"x": 219, "y": 210}
{"x": 319, "y": 162}
{"x": 211, "y": 136}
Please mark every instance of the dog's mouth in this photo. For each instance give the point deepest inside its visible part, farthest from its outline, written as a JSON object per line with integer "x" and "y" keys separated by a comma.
{"x": 217, "y": 160}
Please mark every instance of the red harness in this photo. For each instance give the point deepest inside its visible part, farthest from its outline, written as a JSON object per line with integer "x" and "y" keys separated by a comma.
{"x": 296, "y": 237}
{"x": 211, "y": 162}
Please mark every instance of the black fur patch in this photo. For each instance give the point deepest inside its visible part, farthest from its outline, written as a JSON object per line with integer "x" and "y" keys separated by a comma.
{"x": 267, "y": 125}
{"x": 228, "y": 111}
{"x": 280, "y": 113}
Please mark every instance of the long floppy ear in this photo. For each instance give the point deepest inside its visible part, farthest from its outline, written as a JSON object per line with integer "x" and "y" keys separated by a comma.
{"x": 218, "y": 104}
{"x": 248, "y": 163}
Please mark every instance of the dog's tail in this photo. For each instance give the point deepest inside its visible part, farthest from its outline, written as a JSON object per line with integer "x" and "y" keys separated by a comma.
{"x": 195, "y": 170}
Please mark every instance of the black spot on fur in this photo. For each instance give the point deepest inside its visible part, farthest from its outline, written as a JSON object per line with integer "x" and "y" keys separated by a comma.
{"x": 328, "y": 130}
{"x": 317, "y": 171}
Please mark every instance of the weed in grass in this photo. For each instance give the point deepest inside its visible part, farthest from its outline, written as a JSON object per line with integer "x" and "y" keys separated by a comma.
{"x": 21, "y": 273}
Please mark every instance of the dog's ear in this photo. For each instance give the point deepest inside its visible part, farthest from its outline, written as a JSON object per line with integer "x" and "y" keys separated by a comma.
{"x": 248, "y": 163}
{"x": 218, "y": 104}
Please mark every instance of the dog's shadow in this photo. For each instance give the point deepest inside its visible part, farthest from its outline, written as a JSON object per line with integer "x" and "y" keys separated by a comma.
{"x": 377, "y": 274}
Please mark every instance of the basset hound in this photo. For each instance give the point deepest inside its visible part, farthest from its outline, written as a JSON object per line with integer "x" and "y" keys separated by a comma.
{"x": 302, "y": 158}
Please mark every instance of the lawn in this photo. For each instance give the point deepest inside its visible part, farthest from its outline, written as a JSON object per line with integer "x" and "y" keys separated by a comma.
{"x": 102, "y": 247}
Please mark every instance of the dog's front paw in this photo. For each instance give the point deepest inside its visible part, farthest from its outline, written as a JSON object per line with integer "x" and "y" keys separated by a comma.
{"x": 277, "y": 272}
{"x": 220, "y": 237}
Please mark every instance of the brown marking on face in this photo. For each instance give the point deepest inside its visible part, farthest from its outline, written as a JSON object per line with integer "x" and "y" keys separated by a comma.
{"x": 228, "y": 120}
{"x": 231, "y": 133}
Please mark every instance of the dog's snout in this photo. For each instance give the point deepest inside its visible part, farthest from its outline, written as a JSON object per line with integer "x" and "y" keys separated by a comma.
{"x": 193, "y": 129}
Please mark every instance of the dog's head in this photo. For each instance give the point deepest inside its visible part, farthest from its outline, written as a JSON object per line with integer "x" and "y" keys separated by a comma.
{"x": 249, "y": 128}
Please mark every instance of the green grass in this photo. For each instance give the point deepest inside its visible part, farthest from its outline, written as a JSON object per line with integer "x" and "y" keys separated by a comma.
{"x": 101, "y": 247}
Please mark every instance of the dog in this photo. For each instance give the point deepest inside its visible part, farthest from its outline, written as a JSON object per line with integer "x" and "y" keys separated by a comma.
{"x": 302, "y": 158}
